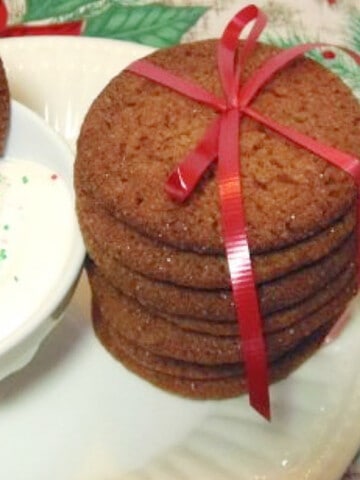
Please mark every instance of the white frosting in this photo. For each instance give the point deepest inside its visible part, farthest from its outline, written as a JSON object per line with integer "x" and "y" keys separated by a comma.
{"x": 36, "y": 215}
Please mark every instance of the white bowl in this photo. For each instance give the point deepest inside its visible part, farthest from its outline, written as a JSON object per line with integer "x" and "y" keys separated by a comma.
{"x": 41, "y": 250}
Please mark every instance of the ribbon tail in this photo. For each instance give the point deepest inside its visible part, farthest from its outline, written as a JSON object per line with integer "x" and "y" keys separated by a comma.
{"x": 157, "y": 74}
{"x": 229, "y": 73}
{"x": 238, "y": 256}
{"x": 336, "y": 157}
{"x": 342, "y": 160}
{"x": 183, "y": 180}
{"x": 276, "y": 63}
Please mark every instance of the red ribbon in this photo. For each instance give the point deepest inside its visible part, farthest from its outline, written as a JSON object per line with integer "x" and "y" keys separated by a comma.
{"x": 221, "y": 142}
{"x": 67, "y": 28}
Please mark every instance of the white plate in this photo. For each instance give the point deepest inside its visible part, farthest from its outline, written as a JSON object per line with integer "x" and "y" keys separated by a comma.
{"x": 74, "y": 413}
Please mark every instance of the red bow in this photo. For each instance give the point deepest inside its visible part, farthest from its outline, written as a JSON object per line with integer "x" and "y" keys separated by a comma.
{"x": 220, "y": 142}
{"x": 67, "y": 28}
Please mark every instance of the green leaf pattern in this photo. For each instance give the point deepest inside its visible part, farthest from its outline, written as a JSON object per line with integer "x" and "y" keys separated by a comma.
{"x": 164, "y": 23}
{"x": 59, "y": 10}
{"x": 156, "y": 25}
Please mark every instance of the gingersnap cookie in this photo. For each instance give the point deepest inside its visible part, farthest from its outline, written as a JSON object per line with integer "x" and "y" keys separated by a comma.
{"x": 110, "y": 337}
{"x": 137, "y": 132}
{"x": 218, "y": 304}
{"x": 4, "y": 107}
{"x": 132, "y": 321}
{"x": 161, "y": 262}
{"x": 105, "y": 329}
{"x": 276, "y": 321}
{"x": 215, "y": 388}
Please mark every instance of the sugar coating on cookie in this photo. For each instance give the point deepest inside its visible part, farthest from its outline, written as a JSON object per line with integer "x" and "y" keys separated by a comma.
{"x": 137, "y": 132}
{"x": 218, "y": 304}
{"x": 185, "y": 268}
{"x": 134, "y": 322}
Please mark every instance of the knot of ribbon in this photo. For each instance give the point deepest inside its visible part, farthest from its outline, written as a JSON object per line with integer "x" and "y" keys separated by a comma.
{"x": 66, "y": 28}
{"x": 220, "y": 142}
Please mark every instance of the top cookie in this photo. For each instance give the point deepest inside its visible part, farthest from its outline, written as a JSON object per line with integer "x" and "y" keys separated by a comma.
{"x": 4, "y": 108}
{"x": 136, "y": 132}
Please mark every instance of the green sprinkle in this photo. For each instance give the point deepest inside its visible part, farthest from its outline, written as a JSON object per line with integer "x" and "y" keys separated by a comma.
{"x": 25, "y": 179}
{"x": 16, "y": 279}
{"x": 6, "y": 227}
{"x": 3, "y": 255}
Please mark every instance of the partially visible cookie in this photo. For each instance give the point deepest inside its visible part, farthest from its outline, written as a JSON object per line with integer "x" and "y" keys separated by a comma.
{"x": 4, "y": 108}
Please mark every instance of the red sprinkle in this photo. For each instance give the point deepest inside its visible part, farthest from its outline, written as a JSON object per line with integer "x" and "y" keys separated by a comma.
{"x": 331, "y": 2}
{"x": 328, "y": 54}
{"x": 54, "y": 176}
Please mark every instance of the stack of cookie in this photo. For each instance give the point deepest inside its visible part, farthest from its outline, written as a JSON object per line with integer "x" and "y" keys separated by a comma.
{"x": 162, "y": 301}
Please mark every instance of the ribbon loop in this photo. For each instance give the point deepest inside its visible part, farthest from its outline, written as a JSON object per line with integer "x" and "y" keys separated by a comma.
{"x": 184, "y": 179}
{"x": 230, "y": 70}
